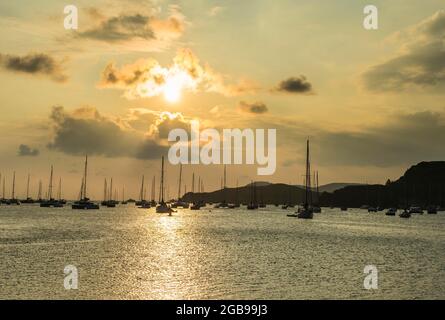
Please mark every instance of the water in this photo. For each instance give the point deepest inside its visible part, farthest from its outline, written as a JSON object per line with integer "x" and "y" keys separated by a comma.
{"x": 131, "y": 253}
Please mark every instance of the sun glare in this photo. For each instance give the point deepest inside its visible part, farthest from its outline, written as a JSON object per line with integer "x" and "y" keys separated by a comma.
{"x": 172, "y": 89}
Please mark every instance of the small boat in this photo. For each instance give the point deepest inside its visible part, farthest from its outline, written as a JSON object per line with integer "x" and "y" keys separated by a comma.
{"x": 391, "y": 212}
{"x": 316, "y": 209}
{"x": 252, "y": 206}
{"x": 144, "y": 205}
{"x": 195, "y": 206}
{"x": 414, "y": 209}
{"x": 405, "y": 214}
{"x": 163, "y": 208}
{"x": 84, "y": 204}
{"x": 431, "y": 210}
{"x": 372, "y": 209}
{"x": 344, "y": 208}
{"x": 307, "y": 213}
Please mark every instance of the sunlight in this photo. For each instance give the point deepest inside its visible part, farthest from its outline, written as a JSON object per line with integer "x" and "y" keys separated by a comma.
{"x": 172, "y": 89}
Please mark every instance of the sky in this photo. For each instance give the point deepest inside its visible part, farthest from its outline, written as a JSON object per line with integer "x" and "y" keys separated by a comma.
{"x": 370, "y": 101}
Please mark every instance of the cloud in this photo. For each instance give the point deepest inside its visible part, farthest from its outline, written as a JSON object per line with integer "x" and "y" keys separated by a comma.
{"x": 27, "y": 151}
{"x": 119, "y": 28}
{"x": 148, "y": 78}
{"x": 255, "y": 107}
{"x": 420, "y": 62}
{"x": 407, "y": 139}
{"x": 85, "y": 130}
{"x": 295, "y": 85}
{"x": 35, "y": 63}
{"x": 127, "y": 26}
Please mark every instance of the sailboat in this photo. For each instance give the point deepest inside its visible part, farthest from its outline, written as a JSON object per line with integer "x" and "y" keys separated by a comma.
{"x": 28, "y": 199}
{"x": 306, "y": 212}
{"x": 3, "y": 200}
{"x": 104, "y": 201}
{"x": 253, "y": 202}
{"x": 406, "y": 213}
{"x": 316, "y": 208}
{"x": 162, "y": 206}
{"x": 142, "y": 203}
{"x": 236, "y": 204}
{"x": 84, "y": 202}
{"x": 39, "y": 193}
{"x": 50, "y": 201}
{"x": 123, "y": 196}
{"x": 13, "y": 200}
{"x": 60, "y": 202}
{"x": 197, "y": 204}
{"x": 180, "y": 202}
{"x": 110, "y": 203}
{"x": 153, "y": 192}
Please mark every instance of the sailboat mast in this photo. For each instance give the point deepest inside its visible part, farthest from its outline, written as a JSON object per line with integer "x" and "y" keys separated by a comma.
{"x": 13, "y": 186}
{"x": 27, "y": 188}
{"x": 81, "y": 195}
{"x": 180, "y": 178}
{"x": 236, "y": 194}
{"x": 50, "y": 187}
{"x": 153, "y": 188}
{"x": 85, "y": 177}
{"x": 59, "y": 191}
{"x": 318, "y": 191}
{"x": 141, "y": 195}
{"x": 111, "y": 189}
{"x": 39, "y": 196}
{"x": 105, "y": 189}
{"x": 308, "y": 176}
{"x": 161, "y": 193}
{"x": 3, "y": 188}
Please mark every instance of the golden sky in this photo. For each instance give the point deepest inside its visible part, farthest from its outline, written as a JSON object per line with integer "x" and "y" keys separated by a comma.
{"x": 371, "y": 101}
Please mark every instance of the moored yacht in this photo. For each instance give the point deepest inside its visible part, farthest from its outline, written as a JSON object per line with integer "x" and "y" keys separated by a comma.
{"x": 306, "y": 212}
{"x": 391, "y": 212}
{"x": 84, "y": 202}
{"x": 162, "y": 206}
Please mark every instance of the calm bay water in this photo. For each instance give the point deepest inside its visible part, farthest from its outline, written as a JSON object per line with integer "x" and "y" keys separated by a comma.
{"x": 131, "y": 253}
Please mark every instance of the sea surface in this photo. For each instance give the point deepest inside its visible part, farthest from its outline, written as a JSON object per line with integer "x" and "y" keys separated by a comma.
{"x": 131, "y": 253}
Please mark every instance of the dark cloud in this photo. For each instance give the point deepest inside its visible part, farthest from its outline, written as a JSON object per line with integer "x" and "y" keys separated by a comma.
{"x": 27, "y": 151}
{"x": 145, "y": 24}
{"x": 422, "y": 63}
{"x": 406, "y": 139}
{"x": 89, "y": 132}
{"x": 256, "y": 107}
{"x": 39, "y": 64}
{"x": 295, "y": 85}
{"x": 123, "y": 27}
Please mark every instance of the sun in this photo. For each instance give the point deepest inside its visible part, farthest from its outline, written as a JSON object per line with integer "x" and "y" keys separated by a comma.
{"x": 172, "y": 91}
{"x": 173, "y": 88}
